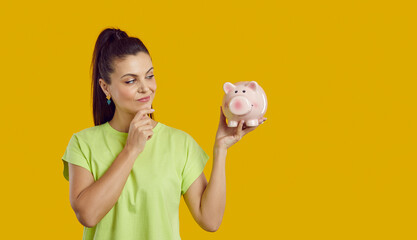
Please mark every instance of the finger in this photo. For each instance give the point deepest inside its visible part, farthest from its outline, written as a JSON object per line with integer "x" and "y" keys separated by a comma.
{"x": 260, "y": 121}
{"x": 145, "y": 127}
{"x": 247, "y": 130}
{"x": 144, "y": 121}
{"x": 222, "y": 117}
{"x": 146, "y": 114}
{"x": 149, "y": 137}
{"x": 239, "y": 128}
{"x": 250, "y": 129}
{"x": 142, "y": 124}
{"x": 149, "y": 134}
{"x": 142, "y": 113}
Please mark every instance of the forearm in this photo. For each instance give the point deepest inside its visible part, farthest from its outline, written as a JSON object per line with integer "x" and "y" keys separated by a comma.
{"x": 213, "y": 201}
{"x": 99, "y": 198}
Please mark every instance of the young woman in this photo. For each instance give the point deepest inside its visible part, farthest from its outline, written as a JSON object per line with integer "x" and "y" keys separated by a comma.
{"x": 127, "y": 173}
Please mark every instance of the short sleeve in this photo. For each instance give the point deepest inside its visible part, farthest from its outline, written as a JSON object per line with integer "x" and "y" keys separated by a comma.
{"x": 74, "y": 154}
{"x": 195, "y": 162}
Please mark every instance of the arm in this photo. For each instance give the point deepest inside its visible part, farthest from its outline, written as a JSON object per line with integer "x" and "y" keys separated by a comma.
{"x": 207, "y": 202}
{"x": 90, "y": 200}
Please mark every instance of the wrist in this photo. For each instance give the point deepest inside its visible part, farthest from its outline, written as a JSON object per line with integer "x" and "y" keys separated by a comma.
{"x": 130, "y": 152}
{"x": 219, "y": 150}
{"x": 217, "y": 145}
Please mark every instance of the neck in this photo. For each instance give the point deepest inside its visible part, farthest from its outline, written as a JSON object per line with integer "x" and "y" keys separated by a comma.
{"x": 121, "y": 121}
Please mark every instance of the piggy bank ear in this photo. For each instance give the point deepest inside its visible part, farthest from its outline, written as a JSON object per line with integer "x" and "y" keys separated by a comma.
{"x": 227, "y": 87}
{"x": 253, "y": 85}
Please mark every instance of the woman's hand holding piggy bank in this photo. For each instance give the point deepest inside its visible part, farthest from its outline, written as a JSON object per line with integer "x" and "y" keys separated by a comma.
{"x": 244, "y": 101}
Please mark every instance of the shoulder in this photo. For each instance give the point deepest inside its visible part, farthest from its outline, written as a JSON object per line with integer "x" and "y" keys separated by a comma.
{"x": 178, "y": 139}
{"x": 89, "y": 133}
{"x": 174, "y": 132}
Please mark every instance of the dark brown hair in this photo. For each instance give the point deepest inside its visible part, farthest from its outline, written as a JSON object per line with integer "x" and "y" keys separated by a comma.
{"x": 111, "y": 44}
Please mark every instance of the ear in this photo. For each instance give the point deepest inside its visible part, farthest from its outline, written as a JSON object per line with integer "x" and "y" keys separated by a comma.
{"x": 253, "y": 85}
{"x": 103, "y": 86}
{"x": 227, "y": 87}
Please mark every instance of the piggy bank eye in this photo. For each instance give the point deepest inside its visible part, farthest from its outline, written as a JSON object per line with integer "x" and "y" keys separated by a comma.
{"x": 236, "y": 91}
{"x": 244, "y": 91}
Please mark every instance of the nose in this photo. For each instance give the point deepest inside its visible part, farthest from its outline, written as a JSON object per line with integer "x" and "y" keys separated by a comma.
{"x": 143, "y": 87}
{"x": 240, "y": 105}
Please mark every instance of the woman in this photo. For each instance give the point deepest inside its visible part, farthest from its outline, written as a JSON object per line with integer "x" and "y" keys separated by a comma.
{"x": 128, "y": 172}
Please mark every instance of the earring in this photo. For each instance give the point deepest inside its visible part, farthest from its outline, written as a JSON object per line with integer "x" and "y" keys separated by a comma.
{"x": 108, "y": 100}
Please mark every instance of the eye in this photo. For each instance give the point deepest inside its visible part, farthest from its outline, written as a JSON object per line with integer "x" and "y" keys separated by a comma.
{"x": 130, "y": 81}
{"x": 151, "y": 76}
{"x": 236, "y": 91}
{"x": 244, "y": 91}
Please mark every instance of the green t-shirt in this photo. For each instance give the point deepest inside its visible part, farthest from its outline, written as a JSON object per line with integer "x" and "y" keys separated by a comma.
{"x": 148, "y": 207}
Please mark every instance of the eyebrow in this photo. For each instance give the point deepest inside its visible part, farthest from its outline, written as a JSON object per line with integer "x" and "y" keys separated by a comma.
{"x": 134, "y": 75}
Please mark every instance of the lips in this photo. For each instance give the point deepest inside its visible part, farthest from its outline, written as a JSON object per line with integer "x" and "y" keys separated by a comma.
{"x": 145, "y": 98}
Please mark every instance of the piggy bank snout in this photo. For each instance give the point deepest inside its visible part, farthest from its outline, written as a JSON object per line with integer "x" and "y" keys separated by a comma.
{"x": 240, "y": 105}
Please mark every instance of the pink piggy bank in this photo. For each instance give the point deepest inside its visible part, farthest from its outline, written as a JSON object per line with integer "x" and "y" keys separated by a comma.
{"x": 244, "y": 101}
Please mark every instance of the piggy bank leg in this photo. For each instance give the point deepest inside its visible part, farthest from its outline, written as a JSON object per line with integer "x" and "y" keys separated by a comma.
{"x": 232, "y": 124}
{"x": 252, "y": 123}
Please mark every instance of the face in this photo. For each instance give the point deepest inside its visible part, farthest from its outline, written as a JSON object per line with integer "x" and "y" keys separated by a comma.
{"x": 131, "y": 80}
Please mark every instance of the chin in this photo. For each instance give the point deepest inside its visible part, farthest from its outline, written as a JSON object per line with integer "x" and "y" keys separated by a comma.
{"x": 144, "y": 105}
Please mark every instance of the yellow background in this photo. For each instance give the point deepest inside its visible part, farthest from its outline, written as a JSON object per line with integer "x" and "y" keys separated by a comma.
{"x": 336, "y": 158}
